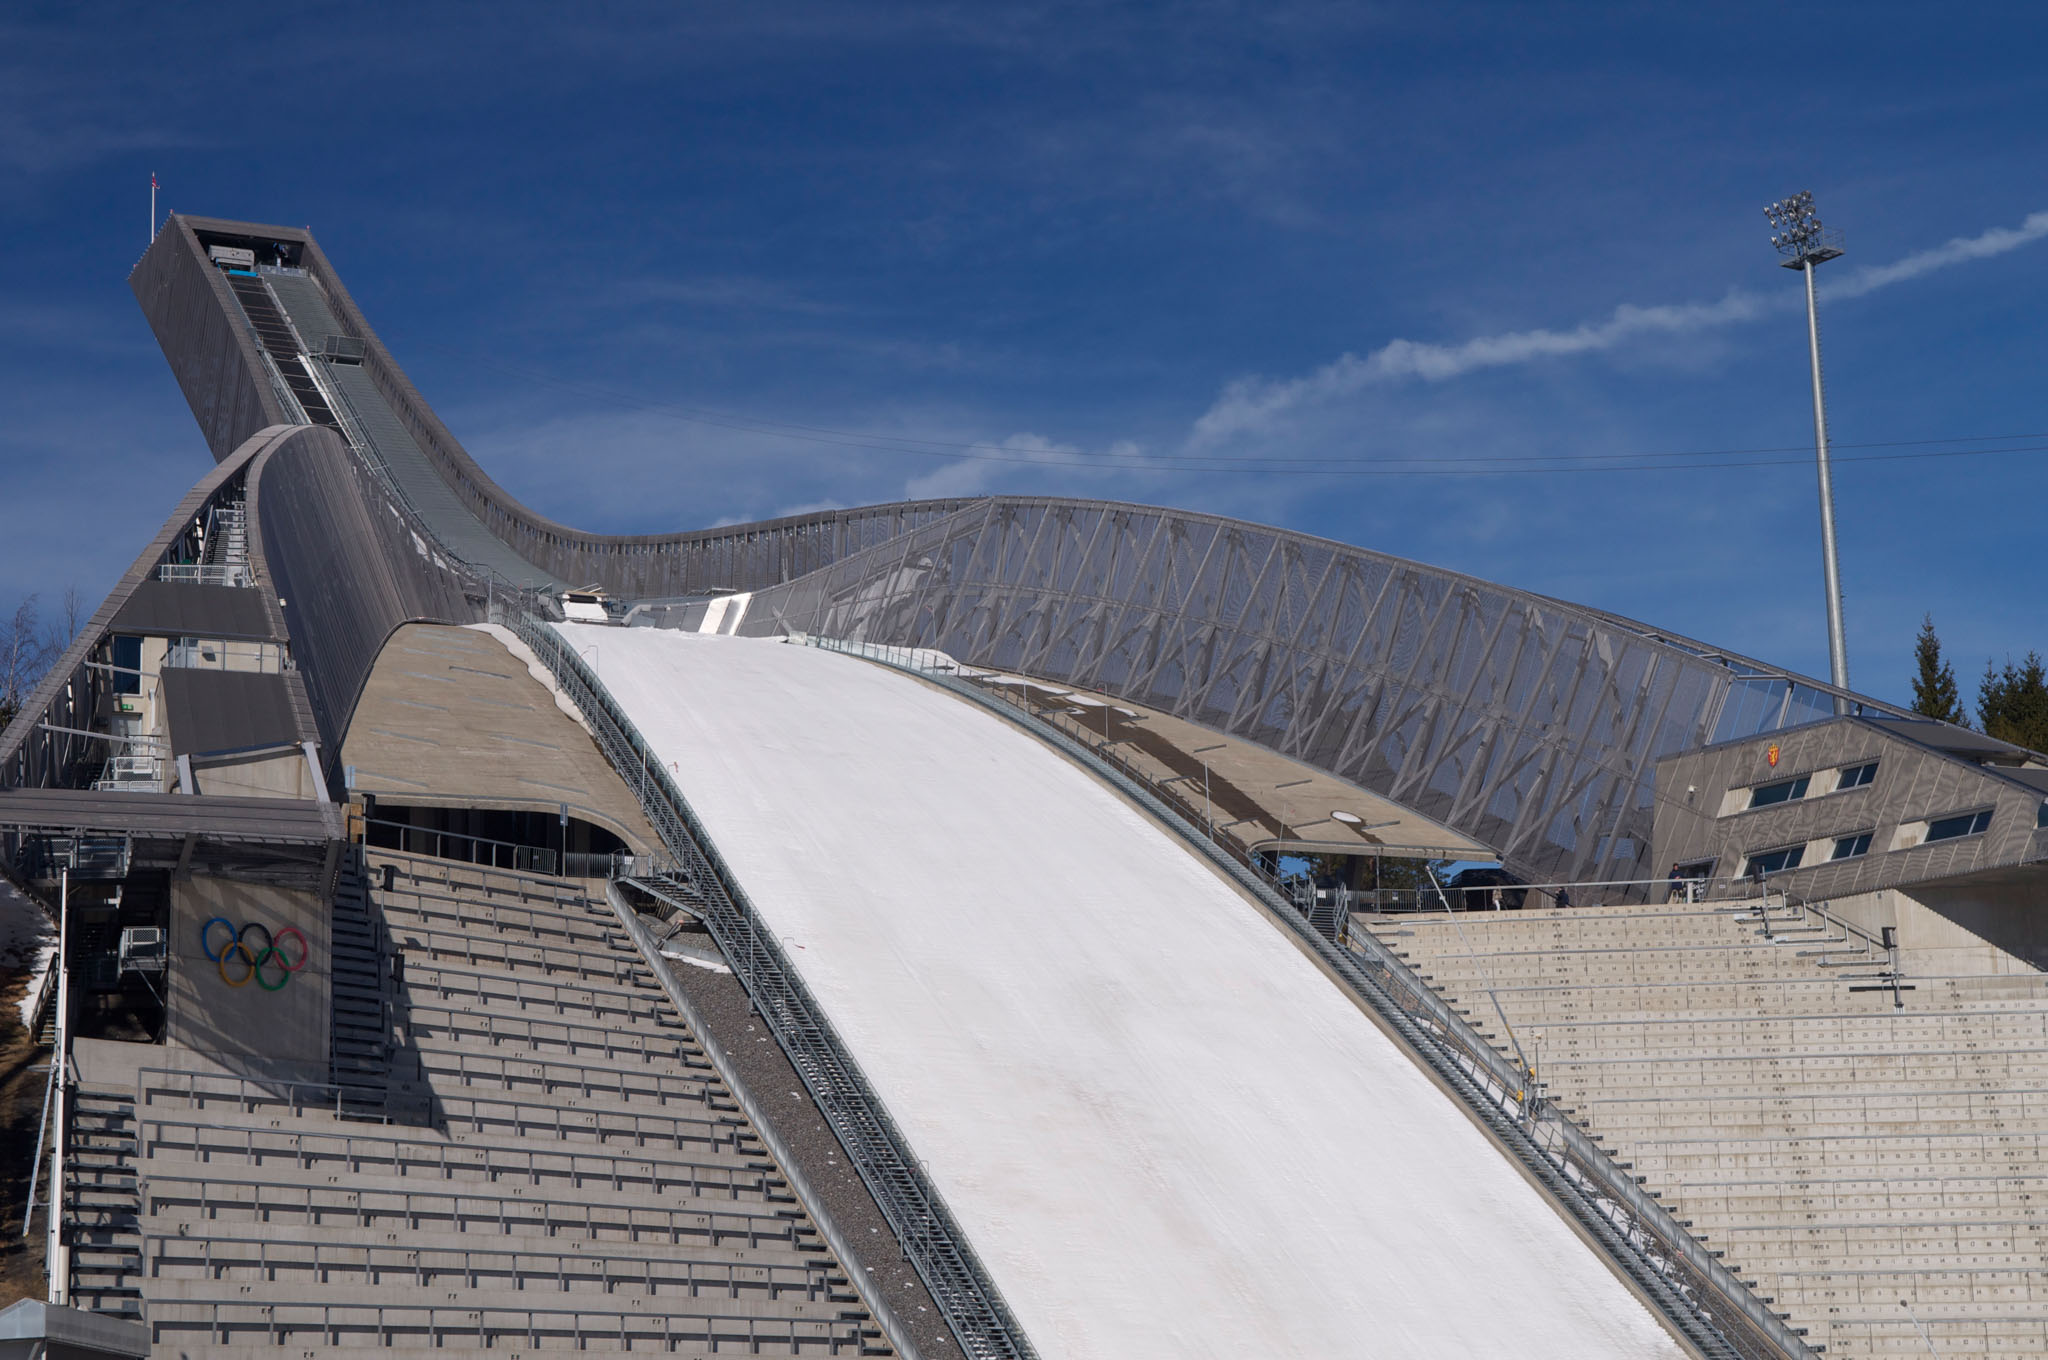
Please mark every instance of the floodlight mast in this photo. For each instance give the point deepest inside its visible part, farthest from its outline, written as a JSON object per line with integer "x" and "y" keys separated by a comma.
{"x": 1797, "y": 233}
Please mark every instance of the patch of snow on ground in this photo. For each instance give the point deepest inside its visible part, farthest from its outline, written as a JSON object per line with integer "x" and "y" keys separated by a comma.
{"x": 28, "y": 939}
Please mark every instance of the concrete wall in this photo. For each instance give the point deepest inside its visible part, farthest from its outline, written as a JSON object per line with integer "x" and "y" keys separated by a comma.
{"x": 1941, "y": 942}
{"x": 260, "y": 774}
{"x": 1697, "y": 820}
{"x": 348, "y": 569}
{"x": 200, "y": 327}
{"x": 283, "y": 1032}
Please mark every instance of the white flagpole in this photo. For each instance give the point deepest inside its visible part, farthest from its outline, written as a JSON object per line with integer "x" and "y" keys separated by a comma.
{"x": 152, "y": 207}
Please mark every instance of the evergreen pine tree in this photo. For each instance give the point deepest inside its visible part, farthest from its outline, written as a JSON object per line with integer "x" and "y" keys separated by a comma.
{"x": 2013, "y": 702}
{"x": 1934, "y": 688}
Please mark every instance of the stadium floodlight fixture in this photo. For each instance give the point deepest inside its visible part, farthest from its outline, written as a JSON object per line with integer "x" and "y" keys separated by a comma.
{"x": 1805, "y": 244}
{"x": 1797, "y": 232}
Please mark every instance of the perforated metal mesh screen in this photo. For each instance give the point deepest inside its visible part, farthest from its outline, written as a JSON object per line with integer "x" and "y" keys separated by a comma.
{"x": 1529, "y": 724}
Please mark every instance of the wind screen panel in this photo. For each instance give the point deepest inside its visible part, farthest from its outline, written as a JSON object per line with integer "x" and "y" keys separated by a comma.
{"x": 1695, "y": 689}
{"x": 1515, "y": 662}
{"x": 1311, "y": 698}
{"x": 1588, "y": 816}
{"x": 1133, "y": 649}
{"x": 1222, "y": 681}
{"x": 1326, "y": 743}
{"x": 1406, "y": 734}
{"x": 1308, "y": 586}
{"x": 1273, "y": 720}
{"x": 1124, "y": 547}
{"x": 1605, "y": 723}
{"x": 1752, "y": 707}
{"x": 1158, "y": 544}
{"x": 1064, "y": 539}
{"x": 1357, "y": 601}
{"x": 1223, "y": 588}
{"x": 1515, "y": 783}
{"x": 1460, "y": 744}
{"x": 1468, "y": 646}
{"x": 1108, "y": 548}
{"x": 1655, "y": 679}
{"x": 1262, "y": 613}
{"x": 1069, "y": 632}
{"x": 1546, "y": 700}
{"x": 1590, "y": 691}
{"x": 1807, "y": 705}
{"x": 1191, "y": 586}
{"x": 1413, "y": 613}
{"x": 1459, "y": 631}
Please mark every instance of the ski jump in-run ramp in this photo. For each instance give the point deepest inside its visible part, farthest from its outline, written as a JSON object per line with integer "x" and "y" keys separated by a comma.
{"x": 1165, "y": 1131}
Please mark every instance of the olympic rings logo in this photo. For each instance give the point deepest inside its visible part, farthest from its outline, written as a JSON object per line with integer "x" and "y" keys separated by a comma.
{"x": 254, "y": 956}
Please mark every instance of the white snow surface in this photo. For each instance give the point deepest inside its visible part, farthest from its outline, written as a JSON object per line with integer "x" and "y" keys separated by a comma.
{"x": 28, "y": 939}
{"x": 1164, "y": 1130}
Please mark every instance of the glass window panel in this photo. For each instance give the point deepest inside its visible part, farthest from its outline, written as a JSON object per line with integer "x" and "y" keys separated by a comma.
{"x": 1775, "y": 861}
{"x": 1784, "y": 791}
{"x": 1856, "y": 776}
{"x": 1849, "y": 847}
{"x": 1962, "y": 824}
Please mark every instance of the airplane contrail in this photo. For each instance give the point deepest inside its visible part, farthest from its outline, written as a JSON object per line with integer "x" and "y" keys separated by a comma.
{"x": 1249, "y": 404}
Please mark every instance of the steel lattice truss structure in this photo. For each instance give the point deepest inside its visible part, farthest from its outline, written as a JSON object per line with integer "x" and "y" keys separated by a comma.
{"x": 1530, "y": 724}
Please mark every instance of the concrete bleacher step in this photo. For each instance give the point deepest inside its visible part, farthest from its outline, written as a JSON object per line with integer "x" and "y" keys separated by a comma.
{"x": 233, "y": 1327}
{"x": 1843, "y": 1153}
{"x": 414, "y": 1155}
{"x": 503, "y": 1273}
{"x": 172, "y": 1201}
{"x": 103, "y": 1203}
{"x": 585, "y": 1181}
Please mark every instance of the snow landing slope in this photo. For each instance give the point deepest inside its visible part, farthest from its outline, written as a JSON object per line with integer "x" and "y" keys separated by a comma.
{"x": 1165, "y": 1131}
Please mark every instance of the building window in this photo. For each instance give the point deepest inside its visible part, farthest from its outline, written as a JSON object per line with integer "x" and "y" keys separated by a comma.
{"x": 1963, "y": 824}
{"x": 2041, "y": 817}
{"x": 1775, "y": 861}
{"x": 1849, "y": 847}
{"x": 1784, "y": 791}
{"x": 1856, "y": 776}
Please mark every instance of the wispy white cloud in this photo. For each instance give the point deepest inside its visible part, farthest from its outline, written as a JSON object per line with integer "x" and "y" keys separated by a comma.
{"x": 1252, "y": 405}
{"x": 1961, "y": 250}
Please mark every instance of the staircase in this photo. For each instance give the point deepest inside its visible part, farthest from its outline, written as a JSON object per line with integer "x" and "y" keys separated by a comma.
{"x": 275, "y": 334}
{"x": 103, "y": 1205}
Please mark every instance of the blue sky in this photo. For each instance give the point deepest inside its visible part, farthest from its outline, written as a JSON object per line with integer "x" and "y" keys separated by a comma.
{"x": 1447, "y": 281}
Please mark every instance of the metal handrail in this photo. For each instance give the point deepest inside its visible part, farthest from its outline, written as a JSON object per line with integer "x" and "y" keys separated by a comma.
{"x": 267, "y": 1091}
{"x": 537, "y": 859}
{"x": 226, "y": 1322}
{"x": 926, "y": 1230}
{"x": 1696, "y": 1292}
{"x": 785, "y": 1158}
{"x": 428, "y": 1263}
{"x": 358, "y": 1150}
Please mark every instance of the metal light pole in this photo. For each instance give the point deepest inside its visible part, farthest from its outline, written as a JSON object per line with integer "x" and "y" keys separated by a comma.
{"x": 1797, "y": 233}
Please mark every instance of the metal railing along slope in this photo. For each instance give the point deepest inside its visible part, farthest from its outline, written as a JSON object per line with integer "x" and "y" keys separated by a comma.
{"x": 931, "y": 1238}
{"x": 1703, "y": 1299}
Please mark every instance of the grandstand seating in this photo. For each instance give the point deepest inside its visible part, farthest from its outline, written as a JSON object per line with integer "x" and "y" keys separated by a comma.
{"x": 550, "y": 1163}
{"x": 1752, "y": 1069}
